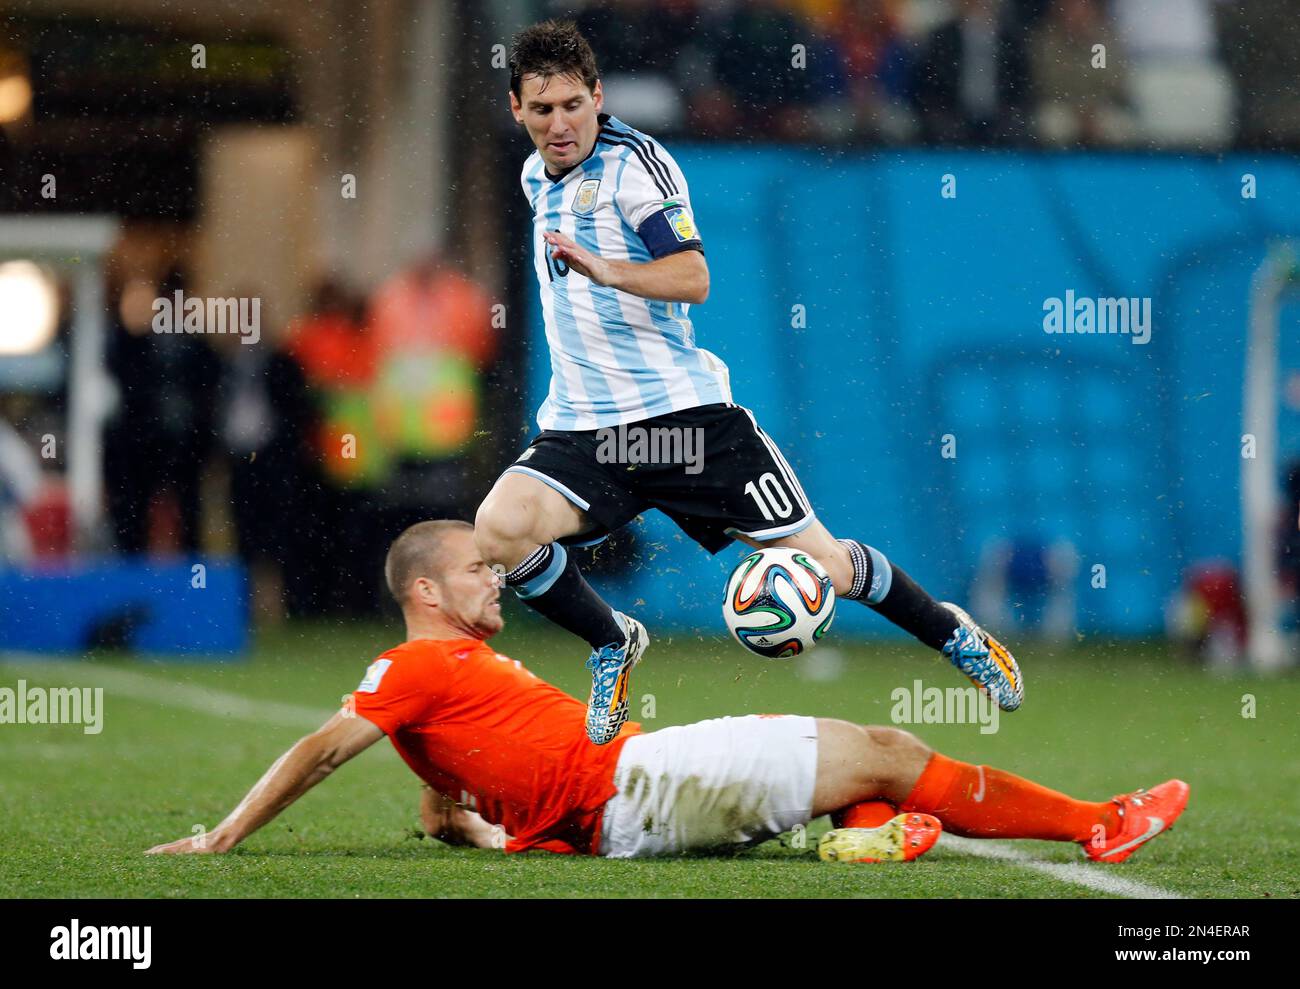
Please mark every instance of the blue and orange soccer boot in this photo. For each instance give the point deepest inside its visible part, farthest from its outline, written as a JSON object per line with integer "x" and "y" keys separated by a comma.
{"x": 901, "y": 839}
{"x": 1143, "y": 815}
{"x": 985, "y": 661}
{"x": 611, "y": 680}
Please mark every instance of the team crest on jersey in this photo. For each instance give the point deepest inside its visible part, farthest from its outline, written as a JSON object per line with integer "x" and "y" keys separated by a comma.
{"x": 680, "y": 220}
{"x": 585, "y": 199}
{"x": 374, "y": 673}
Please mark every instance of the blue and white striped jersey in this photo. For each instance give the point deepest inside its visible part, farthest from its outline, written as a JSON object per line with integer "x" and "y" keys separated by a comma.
{"x": 617, "y": 358}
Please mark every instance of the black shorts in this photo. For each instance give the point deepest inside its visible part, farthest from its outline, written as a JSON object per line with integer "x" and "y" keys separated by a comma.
{"x": 710, "y": 469}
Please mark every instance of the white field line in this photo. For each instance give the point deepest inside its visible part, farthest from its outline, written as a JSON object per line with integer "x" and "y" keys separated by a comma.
{"x": 140, "y": 686}
{"x": 1095, "y": 877}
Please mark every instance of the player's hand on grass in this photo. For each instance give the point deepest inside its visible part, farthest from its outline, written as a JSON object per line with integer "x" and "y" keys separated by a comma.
{"x": 205, "y": 843}
{"x": 578, "y": 258}
{"x": 453, "y": 824}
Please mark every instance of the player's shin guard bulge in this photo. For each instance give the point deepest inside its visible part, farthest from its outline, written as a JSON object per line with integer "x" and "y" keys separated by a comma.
{"x": 984, "y": 802}
{"x": 872, "y": 573}
{"x": 550, "y": 583}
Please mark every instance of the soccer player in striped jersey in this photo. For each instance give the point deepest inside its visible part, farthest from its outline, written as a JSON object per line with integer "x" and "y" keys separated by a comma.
{"x": 619, "y": 261}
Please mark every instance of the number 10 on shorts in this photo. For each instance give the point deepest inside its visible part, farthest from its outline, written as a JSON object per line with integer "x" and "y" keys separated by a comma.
{"x": 770, "y": 497}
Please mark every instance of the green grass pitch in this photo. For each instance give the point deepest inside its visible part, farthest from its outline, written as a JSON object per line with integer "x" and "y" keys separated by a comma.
{"x": 1099, "y": 719}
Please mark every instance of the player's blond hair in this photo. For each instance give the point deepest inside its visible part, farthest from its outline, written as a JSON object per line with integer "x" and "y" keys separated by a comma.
{"x": 417, "y": 553}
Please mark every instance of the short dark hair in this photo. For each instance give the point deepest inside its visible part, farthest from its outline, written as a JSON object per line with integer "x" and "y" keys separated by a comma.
{"x": 416, "y": 553}
{"x": 552, "y": 48}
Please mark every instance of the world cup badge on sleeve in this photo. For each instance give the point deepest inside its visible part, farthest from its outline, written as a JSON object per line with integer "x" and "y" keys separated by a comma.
{"x": 680, "y": 221}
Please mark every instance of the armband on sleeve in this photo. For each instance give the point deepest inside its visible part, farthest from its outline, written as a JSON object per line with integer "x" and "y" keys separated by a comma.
{"x": 669, "y": 230}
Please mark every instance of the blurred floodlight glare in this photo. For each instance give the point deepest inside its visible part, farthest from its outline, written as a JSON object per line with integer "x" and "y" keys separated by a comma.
{"x": 15, "y": 98}
{"x": 29, "y": 308}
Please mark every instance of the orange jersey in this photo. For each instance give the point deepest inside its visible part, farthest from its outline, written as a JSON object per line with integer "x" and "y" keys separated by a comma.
{"x": 479, "y": 728}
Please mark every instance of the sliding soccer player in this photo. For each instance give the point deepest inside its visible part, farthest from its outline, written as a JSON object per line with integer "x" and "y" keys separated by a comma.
{"x": 509, "y": 765}
{"x": 619, "y": 261}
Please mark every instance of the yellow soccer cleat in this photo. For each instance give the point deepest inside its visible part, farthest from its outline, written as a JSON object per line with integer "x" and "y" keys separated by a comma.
{"x": 902, "y": 839}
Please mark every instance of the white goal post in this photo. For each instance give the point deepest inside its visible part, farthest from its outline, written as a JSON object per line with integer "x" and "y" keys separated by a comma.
{"x": 1260, "y": 502}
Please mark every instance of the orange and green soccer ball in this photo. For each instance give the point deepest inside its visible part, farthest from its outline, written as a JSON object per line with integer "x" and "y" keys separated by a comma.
{"x": 779, "y": 603}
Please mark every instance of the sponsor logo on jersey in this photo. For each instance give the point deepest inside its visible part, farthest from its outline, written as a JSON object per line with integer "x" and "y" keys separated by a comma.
{"x": 374, "y": 673}
{"x": 585, "y": 200}
{"x": 680, "y": 220}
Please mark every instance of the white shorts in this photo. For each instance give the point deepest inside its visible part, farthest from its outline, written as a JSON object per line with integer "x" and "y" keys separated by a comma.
{"x": 727, "y": 781}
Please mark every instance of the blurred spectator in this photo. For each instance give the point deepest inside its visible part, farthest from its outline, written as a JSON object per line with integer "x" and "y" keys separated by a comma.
{"x": 1024, "y": 14}
{"x": 1180, "y": 93}
{"x": 1165, "y": 28}
{"x": 641, "y": 50}
{"x": 1079, "y": 102}
{"x": 329, "y": 342}
{"x": 337, "y": 353}
{"x": 1030, "y": 583}
{"x": 1259, "y": 44}
{"x": 633, "y": 36}
{"x": 1207, "y": 617}
{"x": 877, "y": 66}
{"x": 161, "y": 436}
{"x": 867, "y": 34}
{"x": 337, "y": 356}
{"x": 264, "y": 423}
{"x": 432, "y": 306}
{"x": 434, "y": 335}
{"x": 822, "y": 14}
{"x": 970, "y": 82}
{"x": 760, "y": 90}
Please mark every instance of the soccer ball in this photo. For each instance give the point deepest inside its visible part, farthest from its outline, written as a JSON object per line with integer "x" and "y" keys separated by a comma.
{"x": 779, "y": 602}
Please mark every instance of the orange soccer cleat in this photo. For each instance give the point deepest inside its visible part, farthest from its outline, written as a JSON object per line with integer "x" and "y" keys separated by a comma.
{"x": 1143, "y": 815}
{"x": 902, "y": 839}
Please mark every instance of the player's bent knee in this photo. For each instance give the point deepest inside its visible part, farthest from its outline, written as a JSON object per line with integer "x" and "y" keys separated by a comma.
{"x": 895, "y": 740}
{"x": 503, "y": 529}
{"x": 898, "y": 758}
{"x": 864, "y": 762}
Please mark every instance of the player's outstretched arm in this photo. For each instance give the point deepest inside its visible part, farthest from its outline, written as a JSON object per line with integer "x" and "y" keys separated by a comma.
{"x": 447, "y": 821}
{"x": 680, "y": 277}
{"x": 310, "y": 760}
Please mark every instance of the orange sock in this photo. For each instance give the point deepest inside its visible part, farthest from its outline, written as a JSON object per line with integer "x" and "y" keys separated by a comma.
{"x": 868, "y": 814}
{"x": 982, "y": 802}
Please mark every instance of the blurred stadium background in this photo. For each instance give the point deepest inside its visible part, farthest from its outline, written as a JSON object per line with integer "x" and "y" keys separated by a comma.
{"x": 354, "y": 167}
